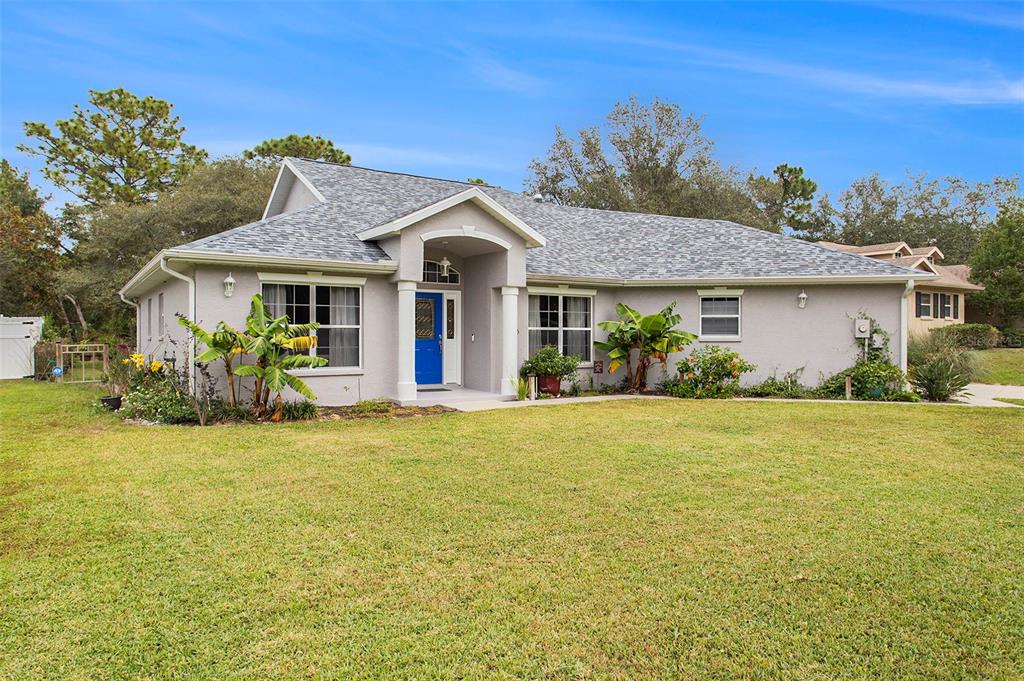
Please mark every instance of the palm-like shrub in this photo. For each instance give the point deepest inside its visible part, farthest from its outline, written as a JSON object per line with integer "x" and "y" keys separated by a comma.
{"x": 224, "y": 343}
{"x": 939, "y": 367}
{"x": 653, "y": 337}
{"x": 278, "y": 346}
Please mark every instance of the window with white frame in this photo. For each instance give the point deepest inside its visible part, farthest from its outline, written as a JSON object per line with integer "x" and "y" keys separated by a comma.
{"x": 149, "y": 318}
{"x": 945, "y": 306}
{"x": 563, "y": 321}
{"x": 335, "y": 308}
{"x": 719, "y": 316}
{"x": 923, "y": 309}
{"x": 433, "y": 272}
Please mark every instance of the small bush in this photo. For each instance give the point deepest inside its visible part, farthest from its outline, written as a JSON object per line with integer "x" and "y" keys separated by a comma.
{"x": 1012, "y": 338}
{"x": 708, "y": 372}
{"x": 788, "y": 386}
{"x": 159, "y": 401}
{"x": 974, "y": 336}
{"x": 871, "y": 380}
{"x": 372, "y": 407}
{"x": 220, "y": 410}
{"x": 300, "y": 410}
{"x": 940, "y": 368}
{"x": 550, "y": 362}
{"x": 903, "y": 396}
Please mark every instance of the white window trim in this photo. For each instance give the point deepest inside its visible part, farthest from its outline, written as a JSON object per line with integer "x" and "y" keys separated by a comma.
{"x": 563, "y": 293}
{"x": 442, "y": 283}
{"x": 720, "y": 293}
{"x": 299, "y": 280}
{"x": 149, "y": 318}
{"x": 161, "y": 326}
{"x": 928, "y": 295}
{"x": 309, "y": 278}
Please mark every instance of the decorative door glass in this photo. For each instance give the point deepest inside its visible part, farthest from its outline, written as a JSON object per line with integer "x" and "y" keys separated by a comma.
{"x": 424, "y": 318}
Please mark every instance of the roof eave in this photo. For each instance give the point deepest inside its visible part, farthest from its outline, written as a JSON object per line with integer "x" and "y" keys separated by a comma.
{"x": 532, "y": 237}
{"x": 725, "y": 281}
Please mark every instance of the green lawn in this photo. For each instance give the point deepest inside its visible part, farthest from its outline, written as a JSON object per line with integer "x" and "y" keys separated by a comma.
{"x": 1004, "y": 366}
{"x": 617, "y": 539}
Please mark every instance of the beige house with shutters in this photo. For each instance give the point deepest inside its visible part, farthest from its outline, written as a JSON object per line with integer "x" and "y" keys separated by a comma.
{"x": 935, "y": 303}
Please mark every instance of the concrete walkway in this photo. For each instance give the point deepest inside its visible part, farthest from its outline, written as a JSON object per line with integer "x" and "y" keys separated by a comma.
{"x": 983, "y": 395}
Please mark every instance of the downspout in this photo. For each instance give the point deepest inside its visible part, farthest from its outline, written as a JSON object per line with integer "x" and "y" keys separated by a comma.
{"x": 904, "y": 322}
{"x": 138, "y": 324}
{"x": 191, "y": 315}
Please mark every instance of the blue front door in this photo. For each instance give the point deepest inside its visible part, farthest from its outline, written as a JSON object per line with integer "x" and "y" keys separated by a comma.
{"x": 428, "y": 338}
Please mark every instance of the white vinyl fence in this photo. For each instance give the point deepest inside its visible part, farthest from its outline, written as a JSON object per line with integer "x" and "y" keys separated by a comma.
{"x": 18, "y": 338}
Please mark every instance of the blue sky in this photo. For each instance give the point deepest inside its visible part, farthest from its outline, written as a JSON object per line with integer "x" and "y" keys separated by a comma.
{"x": 460, "y": 90}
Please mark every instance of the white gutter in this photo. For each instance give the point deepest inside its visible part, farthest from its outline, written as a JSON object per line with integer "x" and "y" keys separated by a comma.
{"x": 905, "y": 324}
{"x": 138, "y": 322}
{"x": 191, "y": 316}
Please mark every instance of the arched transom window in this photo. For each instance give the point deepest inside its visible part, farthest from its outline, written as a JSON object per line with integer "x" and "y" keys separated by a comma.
{"x": 433, "y": 272}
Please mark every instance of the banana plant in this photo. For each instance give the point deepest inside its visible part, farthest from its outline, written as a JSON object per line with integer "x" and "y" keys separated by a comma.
{"x": 224, "y": 343}
{"x": 278, "y": 346}
{"x": 653, "y": 337}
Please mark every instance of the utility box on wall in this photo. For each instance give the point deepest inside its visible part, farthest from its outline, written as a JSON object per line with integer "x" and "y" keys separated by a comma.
{"x": 862, "y": 328}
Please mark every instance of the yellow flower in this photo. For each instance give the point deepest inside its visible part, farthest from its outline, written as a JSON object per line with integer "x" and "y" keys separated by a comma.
{"x": 156, "y": 366}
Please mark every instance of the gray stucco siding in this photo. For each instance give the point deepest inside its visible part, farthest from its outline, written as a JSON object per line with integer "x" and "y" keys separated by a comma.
{"x": 776, "y": 334}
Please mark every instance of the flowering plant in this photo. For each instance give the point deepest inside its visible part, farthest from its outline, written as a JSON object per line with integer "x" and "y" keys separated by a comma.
{"x": 142, "y": 371}
{"x": 711, "y": 371}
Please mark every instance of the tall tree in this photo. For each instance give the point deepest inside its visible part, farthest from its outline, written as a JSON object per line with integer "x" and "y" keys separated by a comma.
{"x": 306, "y": 146}
{"x": 217, "y": 196}
{"x": 30, "y": 247}
{"x": 998, "y": 264}
{"x": 784, "y": 200}
{"x": 119, "y": 148}
{"x": 948, "y": 212}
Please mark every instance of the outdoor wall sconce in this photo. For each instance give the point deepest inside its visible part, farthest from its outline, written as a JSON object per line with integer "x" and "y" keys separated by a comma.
{"x": 801, "y": 300}
{"x": 229, "y": 286}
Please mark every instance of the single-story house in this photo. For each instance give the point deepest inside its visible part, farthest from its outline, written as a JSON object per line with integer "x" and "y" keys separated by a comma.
{"x": 421, "y": 284}
{"x": 939, "y": 302}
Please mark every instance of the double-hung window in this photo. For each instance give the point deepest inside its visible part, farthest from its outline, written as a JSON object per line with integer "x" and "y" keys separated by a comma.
{"x": 719, "y": 315}
{"x": 563, "y": 321}
{"x": 923, "y": 308}
{"x": 161, "y": 329}
{"x": 336, "y": 309}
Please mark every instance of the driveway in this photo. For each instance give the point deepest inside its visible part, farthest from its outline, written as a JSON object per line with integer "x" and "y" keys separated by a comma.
{"x": 983, "y": 394}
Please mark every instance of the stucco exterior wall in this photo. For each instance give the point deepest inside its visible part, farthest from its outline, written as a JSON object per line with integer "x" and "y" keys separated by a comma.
{"x": 173, "y": 342}
{"x": 776, "y": 334}
{"x": 332, "y": 385}
{"x": 299, "y": 196}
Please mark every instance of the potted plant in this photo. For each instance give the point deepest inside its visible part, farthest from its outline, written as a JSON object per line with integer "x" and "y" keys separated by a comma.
{"x": 550, "y": 367}
{"x": 117, "y": 378}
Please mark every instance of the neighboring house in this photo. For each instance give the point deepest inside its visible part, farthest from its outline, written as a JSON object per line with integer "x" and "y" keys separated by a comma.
{"x": 935, "y": 303}
{"x": 421, "y": 283}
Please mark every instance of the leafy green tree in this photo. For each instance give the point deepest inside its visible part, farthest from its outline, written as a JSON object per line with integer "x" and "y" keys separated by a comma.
{"x": 949, "y": 212}
{"x": 653, "y": 337}
{"x": 648, "y": 159}
{"x": 224, "y": 343}
{"x": 998, "y": 264}
{"x": 217, "y": 196}
{"x": 30, "y": 248}
{"x": 786, "y": 199}
{"x": 305, "y": 146}
{"x": 121, "y": 148}
{"x": 476, "y": 180}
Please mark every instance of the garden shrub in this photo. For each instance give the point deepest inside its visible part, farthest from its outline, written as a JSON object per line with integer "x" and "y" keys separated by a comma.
{"x": 222, "y": 410}
{"x": 1012, "y": 338}
{"x": 548, "y": 361}
{"x": 300, "y": 410}
{"x": 708, "y": 372}
{"x": 788, "y": 386}
{"x": 975, "y": 336}
{"x": 871, "y": 380}
{"x": 939, "y": 367}
{"x": 372, "y": 407}
{"x": 159, "y": 401}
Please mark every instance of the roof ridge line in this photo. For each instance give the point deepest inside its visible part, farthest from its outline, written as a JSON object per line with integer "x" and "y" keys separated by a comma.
{"x": 390, "y": 172}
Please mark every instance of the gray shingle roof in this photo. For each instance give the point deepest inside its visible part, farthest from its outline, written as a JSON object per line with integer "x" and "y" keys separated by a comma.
{"x": 581, "y": 242}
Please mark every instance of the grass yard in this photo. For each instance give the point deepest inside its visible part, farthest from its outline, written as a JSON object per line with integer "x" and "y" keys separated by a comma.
{"x": 618, "y": 539}
{"x": 1003, "y": 366}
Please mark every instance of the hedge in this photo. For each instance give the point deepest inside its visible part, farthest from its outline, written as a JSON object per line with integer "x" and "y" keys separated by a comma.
{"x": 976, "y": 336}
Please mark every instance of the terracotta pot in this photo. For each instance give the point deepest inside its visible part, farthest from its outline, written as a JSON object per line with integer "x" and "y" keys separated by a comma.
{"x": 552, "y": 385}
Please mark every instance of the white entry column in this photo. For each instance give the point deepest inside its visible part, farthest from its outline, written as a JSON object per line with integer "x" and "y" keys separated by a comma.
{"x": 406, "y": 340}
{"x": 509, "y": 339}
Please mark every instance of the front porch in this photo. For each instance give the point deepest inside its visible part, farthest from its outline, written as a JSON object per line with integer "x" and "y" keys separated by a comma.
{"x": 452, "y": 396}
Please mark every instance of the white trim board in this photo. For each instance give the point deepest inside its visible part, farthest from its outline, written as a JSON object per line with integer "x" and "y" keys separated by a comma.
{"x": 532, "y": 237}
